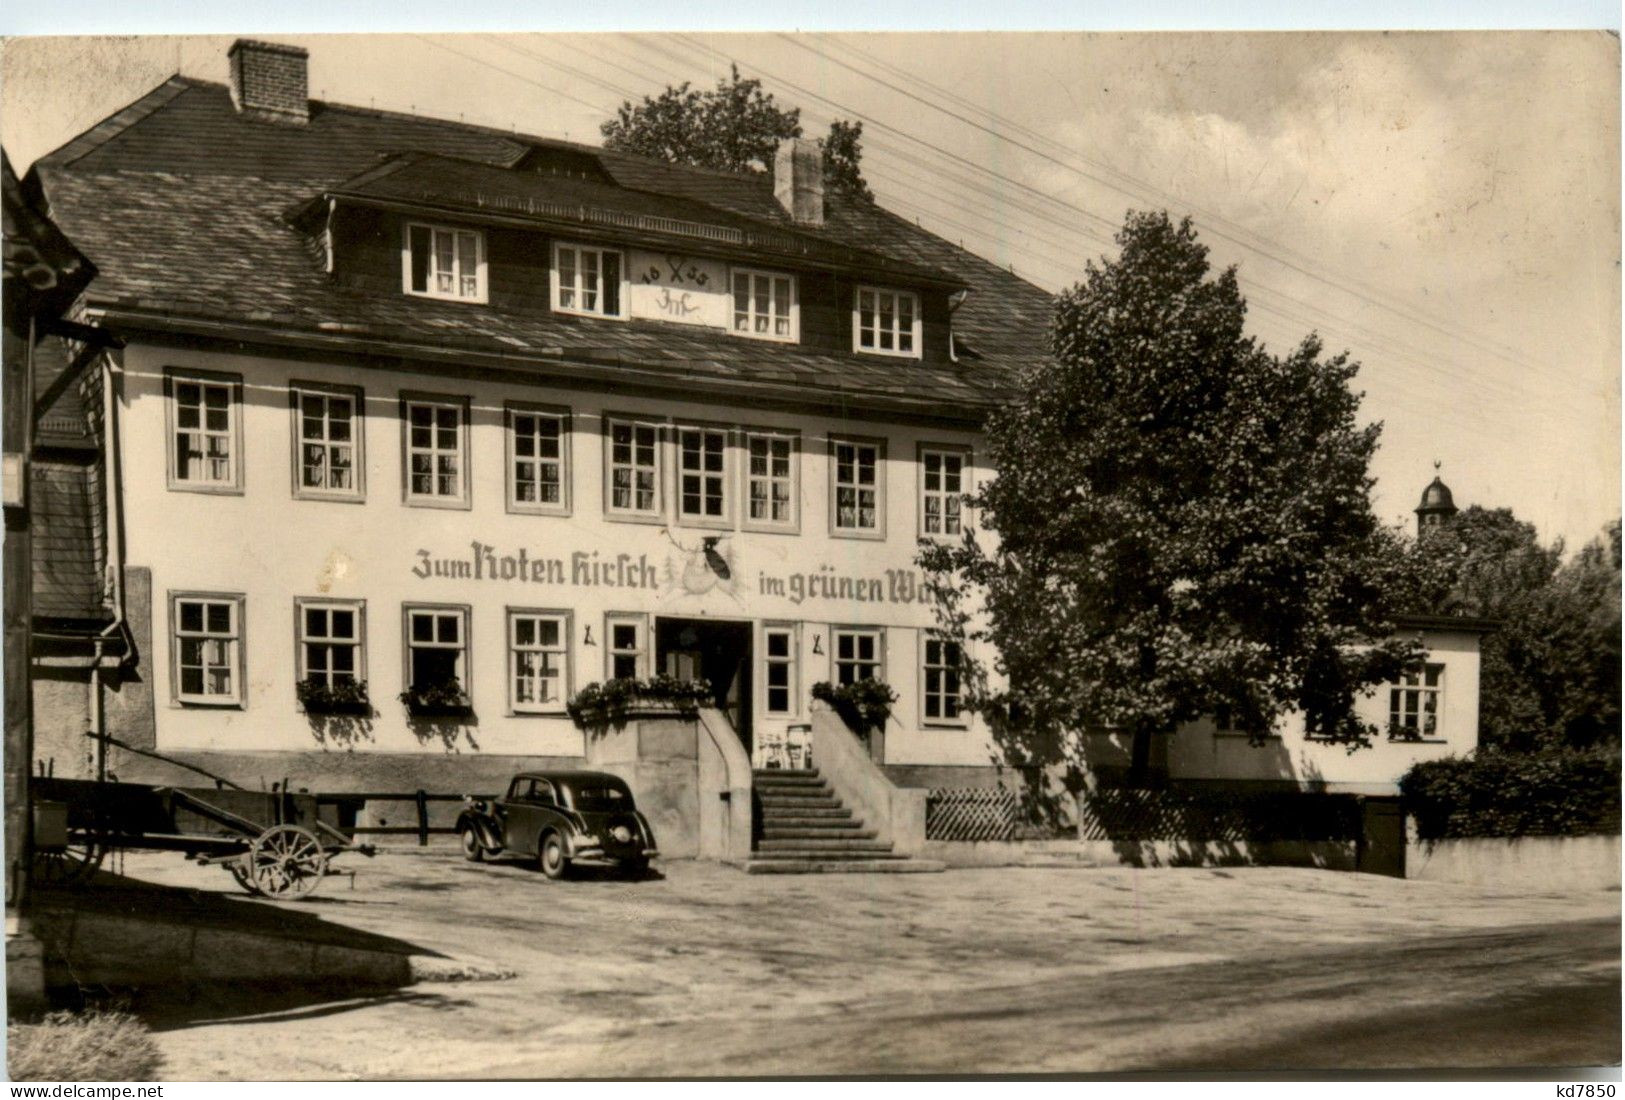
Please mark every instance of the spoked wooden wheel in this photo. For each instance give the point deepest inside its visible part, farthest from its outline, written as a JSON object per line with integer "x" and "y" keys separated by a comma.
{"x": 286, "y": 862}
{"x": 71, "y": 865}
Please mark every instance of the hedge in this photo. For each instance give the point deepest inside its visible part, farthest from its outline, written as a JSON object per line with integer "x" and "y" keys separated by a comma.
{"x": 1494, "y": 794}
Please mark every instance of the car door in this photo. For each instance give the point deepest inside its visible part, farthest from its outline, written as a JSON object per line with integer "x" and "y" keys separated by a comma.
{"x": 527, "y": 811}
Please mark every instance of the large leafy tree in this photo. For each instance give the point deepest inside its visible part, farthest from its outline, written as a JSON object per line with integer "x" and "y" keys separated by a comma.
{"x": 1182, "y": 522}
{"x": 1549, "y": 674}
{"x": 736, "y": 127}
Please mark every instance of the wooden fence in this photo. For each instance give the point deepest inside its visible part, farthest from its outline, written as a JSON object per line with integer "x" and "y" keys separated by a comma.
{"x": 350, "y": 806}
{"x": 971, "y": 813}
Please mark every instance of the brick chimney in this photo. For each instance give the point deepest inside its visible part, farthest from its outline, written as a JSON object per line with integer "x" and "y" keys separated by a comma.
{"x": 270, "y": 81}
{"x": 798, "y": 179}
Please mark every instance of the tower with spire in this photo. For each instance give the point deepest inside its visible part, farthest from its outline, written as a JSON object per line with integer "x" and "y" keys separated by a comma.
{"x": 1437, "y": 506}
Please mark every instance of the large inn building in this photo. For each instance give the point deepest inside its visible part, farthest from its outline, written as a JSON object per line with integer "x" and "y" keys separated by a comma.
{"x": 475, "y": 419}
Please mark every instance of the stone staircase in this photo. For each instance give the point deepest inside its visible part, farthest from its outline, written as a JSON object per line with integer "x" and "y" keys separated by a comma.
{"x": 806, "y": 829}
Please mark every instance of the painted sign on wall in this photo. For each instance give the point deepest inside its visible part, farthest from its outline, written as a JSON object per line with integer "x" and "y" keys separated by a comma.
{"x": 672, "y": 287}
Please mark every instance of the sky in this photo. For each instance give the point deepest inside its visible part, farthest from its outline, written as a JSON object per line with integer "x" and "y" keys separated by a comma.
{"x": 1443, "y": 206}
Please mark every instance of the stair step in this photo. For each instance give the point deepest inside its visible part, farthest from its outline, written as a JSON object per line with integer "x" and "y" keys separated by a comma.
{"x": 796, "y": 794}
{"x": 790, "y": 773}
{"x": 842, "y": 867}
{"x": 788, "y": 779}
{"x": 832, "y": 829}
{"x": 822, "y": 844}
{"x": 811, "y": 819}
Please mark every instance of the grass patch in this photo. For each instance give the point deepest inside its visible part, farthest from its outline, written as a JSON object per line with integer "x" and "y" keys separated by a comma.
{"x": 84, "y": 1046}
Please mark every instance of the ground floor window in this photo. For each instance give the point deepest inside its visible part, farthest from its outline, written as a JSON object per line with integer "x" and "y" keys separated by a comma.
{"x": 207, "y": 654}
{"x": 1413, "y": 703}
{"x": 940, "y": 675}
{"x": 626, "y": 647}
{"x": 538, "y": 649}
{"x": 779, "y": 673}
{"x": 857, "y": 654}
{"x": 330, "y": 638}
{"x": 437, "y": 653}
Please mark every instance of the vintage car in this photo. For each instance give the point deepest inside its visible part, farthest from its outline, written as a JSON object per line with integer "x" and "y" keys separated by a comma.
{"x": 557, "y": 818}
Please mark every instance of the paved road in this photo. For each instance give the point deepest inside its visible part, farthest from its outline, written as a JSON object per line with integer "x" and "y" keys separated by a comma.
{"x": 708, "y": 972}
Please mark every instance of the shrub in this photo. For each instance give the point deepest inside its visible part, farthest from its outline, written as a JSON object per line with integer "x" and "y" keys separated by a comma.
{"x": 437, "y": 700}
{"x": 1553, "y": 793}
{"x": 345, "y": 697}
{"x": 89, "y": 1046}
{"x": 863, "y": 706}
{"x": 597, "y": 707}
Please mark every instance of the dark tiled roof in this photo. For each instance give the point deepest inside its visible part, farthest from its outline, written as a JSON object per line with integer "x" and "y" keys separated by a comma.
{"x": 183, "y": 204}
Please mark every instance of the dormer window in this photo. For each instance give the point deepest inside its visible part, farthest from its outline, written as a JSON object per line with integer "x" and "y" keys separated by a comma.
{"x": 886, "y": 322}
{"x": 438, "y": 261}
{"x": 587, "y": 280}
{"x": 765, "y": 305}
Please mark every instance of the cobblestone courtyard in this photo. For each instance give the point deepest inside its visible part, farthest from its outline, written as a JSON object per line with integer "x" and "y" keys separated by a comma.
{"x": 707, "y": 971}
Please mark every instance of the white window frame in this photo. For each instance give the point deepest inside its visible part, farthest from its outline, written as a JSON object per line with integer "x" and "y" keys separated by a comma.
{"x": 750, "y": 316}
{"x": 562, "y": 650}
{"x": 941, "y": 494}
{"x": 560, "y": 415}
{"x": 640, "y": 650}
{"x": 790, "y": 661}
{"x": 232, "y": 433}
{"x": 557, "y": 288}
{"x": 465, "y": 647}
{"x": 410, "y": 401}
{"x": 836, "y": 529}
{"x": 836, "y": 633}
{"x": 748, "y": 479}
{"x": 1415, "y": 685}
{"x": 927, "y": 667}
{"x": 234, "y": 637}
{"x": 431, "y": 272}
{"x": 358, "y": 608}
{"x": 723, "y": 478}
{"x": 297, "y": 392}
{"x": 914, "y": 332}
{"x": 656, "y": 512}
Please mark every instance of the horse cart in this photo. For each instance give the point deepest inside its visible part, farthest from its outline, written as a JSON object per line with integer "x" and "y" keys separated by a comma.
{"x": 276, "y": 844}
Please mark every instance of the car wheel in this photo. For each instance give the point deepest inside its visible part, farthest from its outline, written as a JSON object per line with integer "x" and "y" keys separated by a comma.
{"x": 473, "y": 849}
{"x": 555, "y": 864}
{"x": 636, "y": 867}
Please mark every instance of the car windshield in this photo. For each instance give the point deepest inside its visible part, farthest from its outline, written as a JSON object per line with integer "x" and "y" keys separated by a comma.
{"x": 601, "y": 798}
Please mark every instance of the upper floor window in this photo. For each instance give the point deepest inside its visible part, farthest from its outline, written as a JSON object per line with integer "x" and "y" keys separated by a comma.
{"x": 702, "y": 460}
{"x": 1413, "y": 704}
{"x": 436, "y": 450}
{"x": 942, "y": 488}
{"x": 538, "y": 460}
{"x": 587, "y": 280}
{"x": 765, "y": 305}
{"x": 440, "y": 262}
{"x": 856, "y": 489}
{"x": 327, "y": 441}
{"x": 632, "y": 461}
{"x": 886, "y": 322}
{"x": 770, "y": 481}
{"x": 207, "y": 633}
{"x": 205, "y": 431}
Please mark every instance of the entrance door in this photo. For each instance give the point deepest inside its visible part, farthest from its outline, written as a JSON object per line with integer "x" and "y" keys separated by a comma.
{"x": 718, "y": 652}
{"x": 1381, "y": 847}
